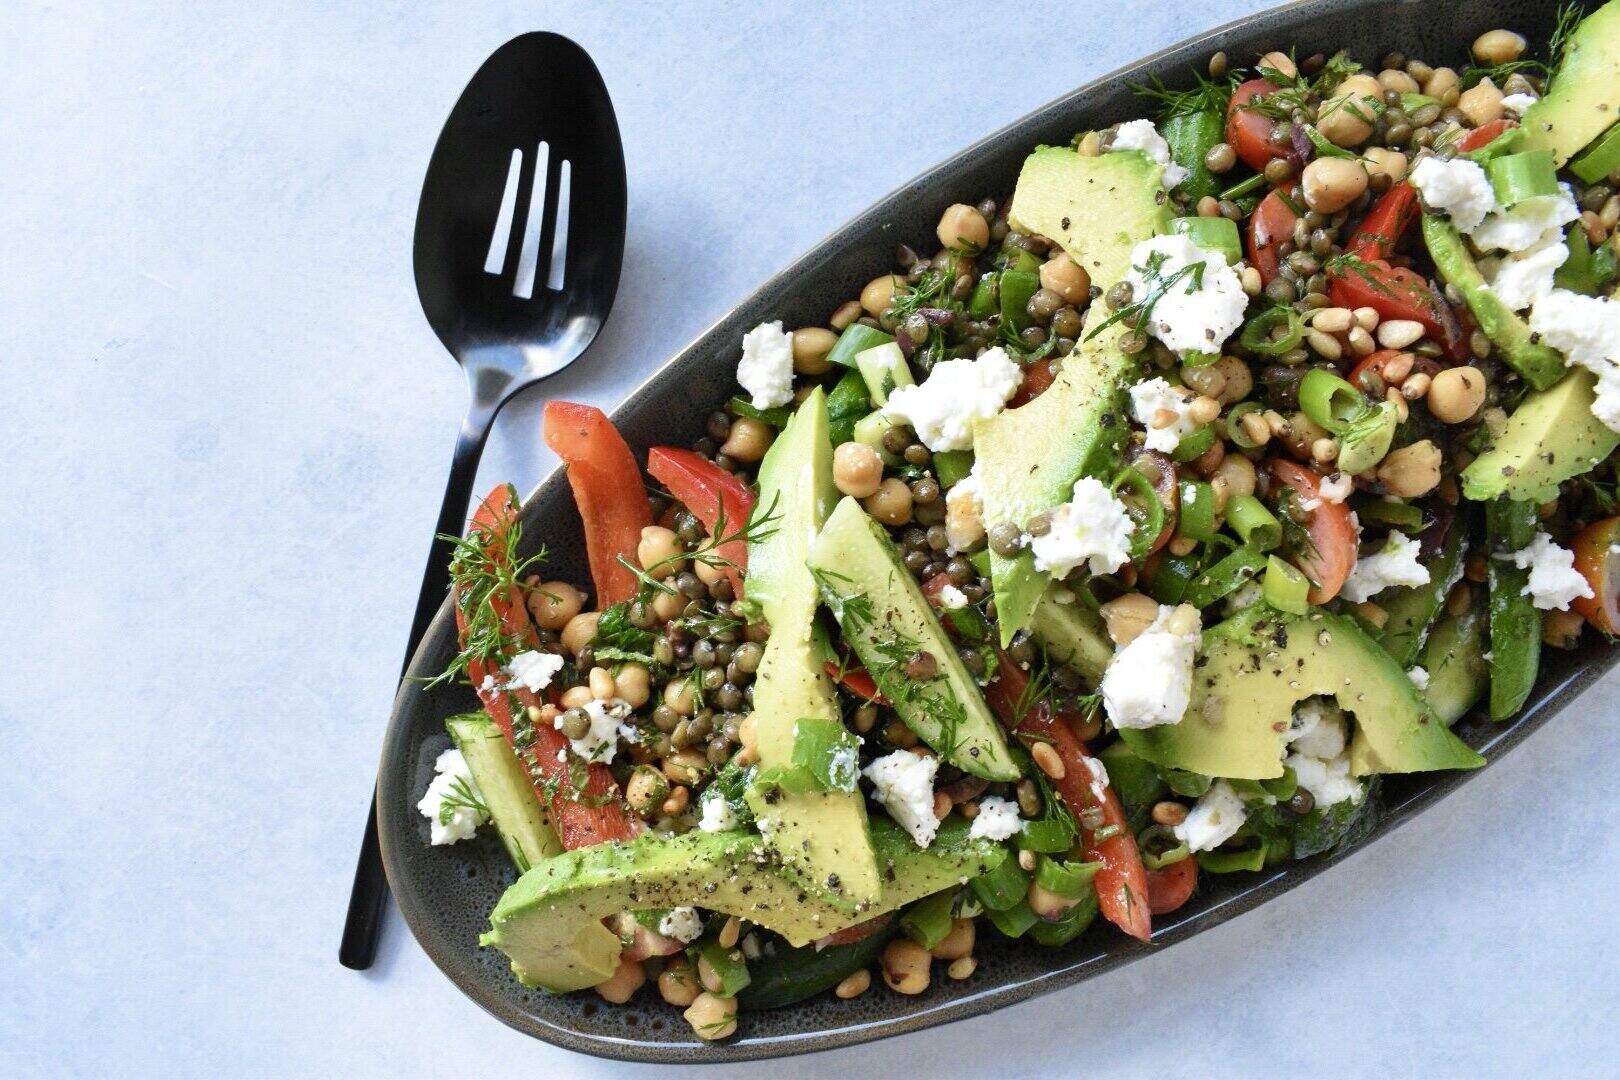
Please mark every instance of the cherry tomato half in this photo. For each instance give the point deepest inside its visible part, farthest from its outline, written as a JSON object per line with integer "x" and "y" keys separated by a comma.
{"x": 1599, "y": 562}
{"x": 1331, "y": 528}
{"x": 1248, "y": 131}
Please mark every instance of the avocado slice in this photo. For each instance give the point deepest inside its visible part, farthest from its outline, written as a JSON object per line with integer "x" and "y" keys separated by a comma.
{"x": 1073, "y": 634}
{"x": 1454, "y": 657}
{"x": 1541, "y": 365}
{"x": 1098, "y": 209}
{"x": 888, "y": 622}
{"x": 1413, "y": 609}
{"x": 549, "y": 922}
{"x": 819, "y": 834}
{"x": 1550, "y": 437}
{"x": 1584, "y": 97}
{"x": 1254, "y": 668}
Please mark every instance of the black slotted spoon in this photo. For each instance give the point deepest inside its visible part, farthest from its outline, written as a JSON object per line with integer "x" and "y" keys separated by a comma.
{"x": 519, "y": 240}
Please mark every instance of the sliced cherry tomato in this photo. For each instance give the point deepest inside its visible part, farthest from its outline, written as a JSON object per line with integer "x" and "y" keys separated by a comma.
{"x": 1270, "y": 225}
{"x": 1121, "y": 884}
{"x": 1385, "y": 223}
{"x": 1373, "y": 362}
{"x": 1037, "y": 377}
{"x": 1331, "y": 527}
{"x": 644, "y": 943}
{"x": 1169, "y": 887}
{"x": 1597, "y": 561}
{"x": 607, "y": 489}
{"x": 856, "y": 681}
{"x": 1484, "y": 135}
{"x": 851, "y": 934}
{"x": 1247, "y": 131}
{"x": 717, "y": 498}
{"x": 1398, "y": 293}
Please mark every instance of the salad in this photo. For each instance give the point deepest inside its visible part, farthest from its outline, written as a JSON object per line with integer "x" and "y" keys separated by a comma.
{"x": 1134, "y": 535}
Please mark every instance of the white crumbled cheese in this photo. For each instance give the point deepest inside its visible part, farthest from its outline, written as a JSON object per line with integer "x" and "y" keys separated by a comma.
{"x": 1397, "y": 564}
{"x": 1419, "y": 677}
{"x": 1518, "y": 103}
{"x": 452, "y": 783}
{"x": 1099, "y": 778}
{"x": 717, "y": 814}
{"x": 1521, "y": 279}
{"x": 843, "y": 766}
{"x": 1149, "y": 399}
{"x": 1149, "y": 681}
{"x": 683, "y": 923}
{"x": 1093, "y": 529}
{"x": 1214, "y": 819}
{"x": 1554, "y": 581}
{"x": 997, "y": 819}
{"x": 943, "y": 407}
{"x": 1586, "y": 329}
{"x": 1457, "y": 187}
{"x": 1527, "y": 223}
{"x": 1336, "y": 486}
{"x": 904, "y": 783}
{"x": 766, "y": 368}
{"x": 1192, "y": 310}
{"x": 533, "y": 669}
{"x": 952, "y": 598}
{"x": 601, "y": 742}
{"x": 1142, "y": 135}
{"x": 1318, "y": 742}
{"x": 1244, "y": 597}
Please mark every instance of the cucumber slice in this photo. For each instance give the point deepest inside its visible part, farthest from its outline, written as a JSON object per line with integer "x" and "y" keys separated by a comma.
{"x": 519, "y": 818}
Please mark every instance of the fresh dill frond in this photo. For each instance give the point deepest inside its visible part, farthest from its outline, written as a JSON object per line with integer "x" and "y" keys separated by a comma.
{"x": 1206, "y": 95}
{"x": 461, "y": 796}
{"x": 1137, "y": 313}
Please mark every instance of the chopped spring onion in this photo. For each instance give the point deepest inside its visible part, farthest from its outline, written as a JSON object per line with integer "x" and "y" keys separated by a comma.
{"x": 1003, "y": 886}
{"x": 776, "y": 418}
{"x": 1234, "y": 423}
{"x": 1017, "y": 286}
{"x": 1070, "y": 880}
{"x": 1403, "y": 516}
{"x": 1285, "y": 587}
{"x": 986, "y": 301}
{"x": 1329, "y": 401}
{"x": 1230, "y": 862}
{"x": 1142, "y": 503}
{"x": 1014, "y": 921}
{"x": 856, "y": 339}
{"x": 952, "y": 465}
{"x": 1256, "y": 526}
{"x": 928, "y": 921}
{"x": 1273, "y": 332}
{"x": 1528, "y": 174}
{"x": 1195, "y": 443}
{"x": 1241, "y": 566}
{"x": 1197, "y": 517}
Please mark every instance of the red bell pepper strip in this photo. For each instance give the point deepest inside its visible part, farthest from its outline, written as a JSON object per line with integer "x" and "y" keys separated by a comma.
{"x": 1121, "y": 884}
{"x": 577, "y": 822}
{"x": 1271, "y": 224}
{"x": 856, "y": 681}
{"x": 714, "y": 496}
{"x": 1385, "y": 223}
{"x": 607, "y": 486}
{"x": 1483, "y": 135}
{"x": 1398, "y": 293}
{"x": 1170, "y": 886}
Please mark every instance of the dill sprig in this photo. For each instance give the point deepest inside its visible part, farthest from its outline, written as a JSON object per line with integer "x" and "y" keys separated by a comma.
{"x": 1137, "y": 313}
{"x": 1206, "y": 95}
{"x": 461, "y": 796}
{"x": 756, "y": 530}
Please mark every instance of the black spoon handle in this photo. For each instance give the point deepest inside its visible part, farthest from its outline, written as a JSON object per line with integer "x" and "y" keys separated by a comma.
{"x": 364, "y": 923}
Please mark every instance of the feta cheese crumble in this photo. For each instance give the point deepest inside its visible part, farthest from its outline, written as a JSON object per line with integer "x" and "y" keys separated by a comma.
{"x": 1092, "y": 529}
{"x": 942, "y": 408}
{"x": 1214, "y": 819}
{"x": 1586, "y": 329}
{"x": 1457, "y": 187}
{"x": 1554, "y": 581}
{"x": 1521, "y": 279}
{"x": 1397, "y": 564}
{"x": 1196, "y": 300}
{"x": 1517, "y": 104}
{"x": 453, "y": 805}
{"x": 717, "y": 814}
{"x": 1318, "y": 752}
{"x": 1419, "y": 677}
{"x": 952, "y": 598}
{"x": 1336, "y": 486}
{"x": 1098, "y": 773}
{"x": 766, "y": 368}
{"x": 904, "y": 783}
{"x": 533, "y": 669}
{"x": 1149, "y": 681}
{"x": 601, "y": 742}
{"x": 1527, "y": 223}
{"x": 1142, "y": 135}
{"x": 997, "y": 819}
{"x": 683, "y": 923}
{"x": 1152, "y": 398}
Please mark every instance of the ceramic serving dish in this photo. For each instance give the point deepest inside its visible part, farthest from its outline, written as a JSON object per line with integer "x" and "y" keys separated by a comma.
{"x": 446, "y": 893}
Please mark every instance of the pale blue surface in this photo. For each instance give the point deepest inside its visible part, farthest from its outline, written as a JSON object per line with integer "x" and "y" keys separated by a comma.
{"x": 227, "y": 427}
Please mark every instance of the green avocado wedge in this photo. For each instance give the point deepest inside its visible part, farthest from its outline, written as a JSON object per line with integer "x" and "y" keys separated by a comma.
{"x": 1584, "y": 98}
{"x": 820, "y": 835}
{"x": 1551, "y": 437}
{"x": 1254, "y": 668}
{"x": 1540, "y": 364}
{"x": 1098, "y": 209}
{"x": 549, "y": 922}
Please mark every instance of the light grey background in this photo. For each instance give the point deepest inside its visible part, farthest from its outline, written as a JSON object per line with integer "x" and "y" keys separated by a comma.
{"x": 226, "y": 430}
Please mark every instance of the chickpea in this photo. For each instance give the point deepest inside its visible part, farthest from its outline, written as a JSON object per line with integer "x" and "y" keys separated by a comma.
{"x": 666, "y": 606}
{"x": 857, "y": 469}
{"x": 677, "y": 984}
{"x": 964, "y": 520}
{"x": 905, "y": 966}
{"x": 1498, "y": 47}
{"x": 1482, "y": 103}
{"x": 678, "y": 696}
{"x": 1346, "y": 119}
{"x": 576, "y": 697}
{"x": 1067, "y": 278}
{"x": 962, "y": 228}
{"x": 622, "y": 985}
{"x": 1331, "y": 184}
{"x": 553, "y": 603}
{"x": 646, "y": 790}
{"x": 846, "y": 313}
{"x": 1398, "y": 81}
{"x": 1127, "y": 616}
{"x": 811, "y": 344}
{"x": 707, "y": 573}
{"x": 1236, "y": 474}
{"x": 685, "y": 767}
{"x": 878, "y": 296}
{"x": 580, "y": 631}
{"x": 1048, "y": 905}
{"x": 1281, "y": 63}
{"x": 1239, "y": 382}
{"x": 1456, "y": 394}
{"x": 1384, "y": 161}
{"x": 1412, "y": 470}
{"x": 853, "y": 985}
{"x": 659, "y": 551}
{"x": 633, "y": 683}
{"x": 748, "y": 441}
{"x": 891, "y": 502}
{"x": 1208, "y": 380}
{"x": 712, "y": 1017}
{"x": 959, "y": 942}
